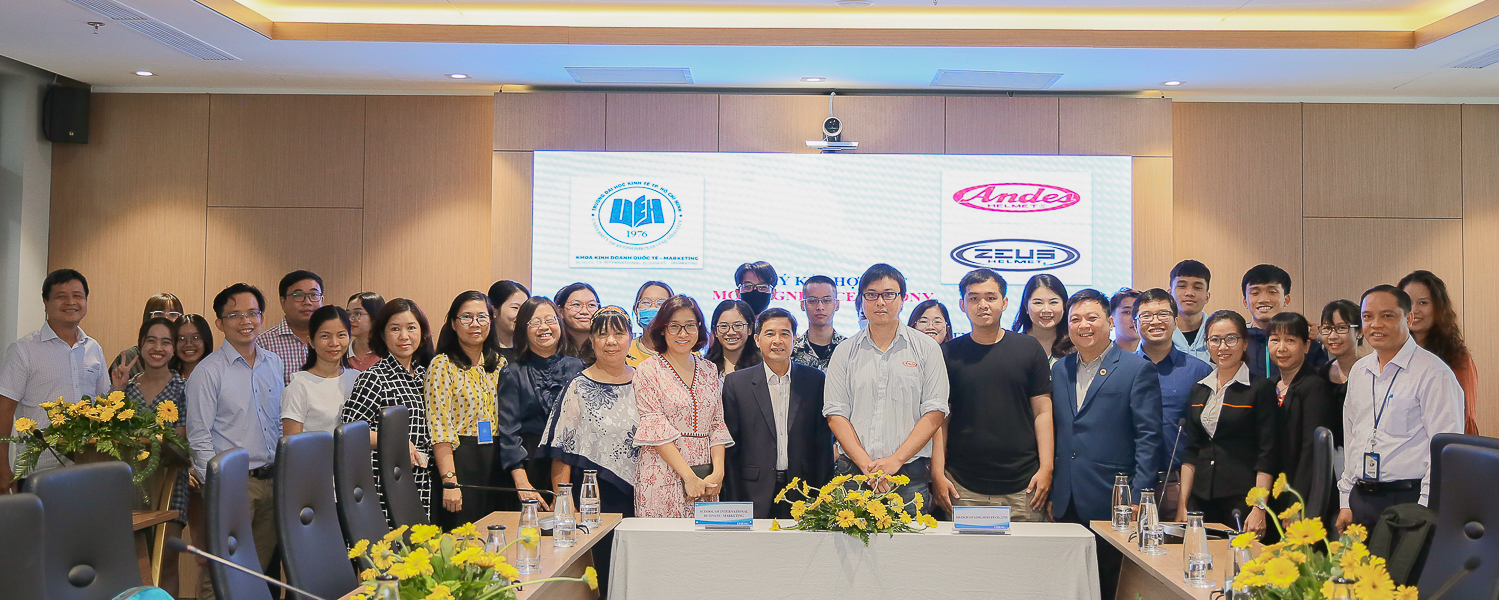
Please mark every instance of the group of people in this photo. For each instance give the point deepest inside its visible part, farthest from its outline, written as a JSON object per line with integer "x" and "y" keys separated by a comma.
{"x": 668, "y": 406}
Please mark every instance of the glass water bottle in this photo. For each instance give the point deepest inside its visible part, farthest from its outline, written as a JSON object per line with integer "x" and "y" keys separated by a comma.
{"x": 1151, "y": 532}
{"x": 495, "y": 543}
{"x": 588, "y": 500}
{"x": 564, "y": 518}
{"x": 387, "y": 587}
{"x": 528, "y": 557}
{"x": 1122, "y": 497}
{"x": 1196, "y": 557}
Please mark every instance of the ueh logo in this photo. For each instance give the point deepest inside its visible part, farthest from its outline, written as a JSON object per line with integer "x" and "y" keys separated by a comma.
{"x": 1016, "y": 197}
{"x": 637, "y": 214}
{"x": 1015, "y": 255}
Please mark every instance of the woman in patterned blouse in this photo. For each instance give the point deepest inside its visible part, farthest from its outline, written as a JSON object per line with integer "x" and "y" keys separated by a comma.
{"x": 402, "y": 339}
{"x": 681, "y": 430}
{"x": 156, "y": 383}
{"x": 461, "y": 406}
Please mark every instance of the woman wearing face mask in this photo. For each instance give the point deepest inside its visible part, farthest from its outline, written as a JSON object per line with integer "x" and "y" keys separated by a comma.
{"x": 507, "y": 297}
{"x": 1231, "y": 423}
{"x": 578, "y": 302}
{"x": 316, "y": 395}
{"x": 161, "y": 305}
{"x": 362, "y": 309}
{"x": 930, "y": 317}
{"x": 1042, "y": 310}
{"x": 756, "y": 282}
{"x": 1305, "y": 403}
{"x": 529, "y": 388}
{"x": 462, "y": 385}
{"x": 194, "y": 341}
{"x": 732, "y": 347}
{"x": 648, "y": 301}
{"x": 1433, "y": 323}
{"x": 156, "y": 383}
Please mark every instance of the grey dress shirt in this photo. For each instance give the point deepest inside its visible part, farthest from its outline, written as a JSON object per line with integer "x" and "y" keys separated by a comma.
{"x": 884, "y": 393}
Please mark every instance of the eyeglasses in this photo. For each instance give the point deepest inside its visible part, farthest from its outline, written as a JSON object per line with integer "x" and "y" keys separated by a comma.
{"x": 939, "y": 321}
{"x": 305, "y": 296}
{"x": 546, "y": 322}
{"x": 244, "y": 316}
{"x": 173, "y": 315}
{"x": 359, "y": 314}
{"x": 1164, "y": 315}
{"x": 578, "y": 306}
{"x": 745, "y": 288}
{"x": 480, "y": 319}
{"x": 734, "y": 327}
{"x": 644, "y": 304}
{"x": 680, "y": 328}
{"x": 1228, "y": 341}
{"x": 887, "y": 296}
{"x": 819, "y": 300}
{"x": 1340, "y": 329}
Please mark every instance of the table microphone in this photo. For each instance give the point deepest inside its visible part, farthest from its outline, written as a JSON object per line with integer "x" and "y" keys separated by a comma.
{"x": 450, "y": 485}
{"x": 1160, "y": 494}
{"x": 1469, "y": 566}
{"x": 177, "y": 544}
{"x": 1238, "y": 521}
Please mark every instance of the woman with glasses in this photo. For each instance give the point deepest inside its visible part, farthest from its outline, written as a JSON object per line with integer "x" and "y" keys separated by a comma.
{"x": 1232, "y": 429}
{"x": 362, "y": 308}
{"x": 1343, "y": 337}
{"x": 127, "y": 362}
{"x": 578, "y": 302}
{"x": 507, "y": 296}
{"x": 1433, "y": 323}
{"x": 529, "y": 388}
{"x": 930, "y": 317}
{"x": 194, "y": 341}
{"x": 1305, "y": 403}
{"x": 1043, "y": 308}
{"x": 648, "y": 301}
{"x": 733, "y": 347}
{"x": 461, "y": 406}
{"x": 682, "y": 432}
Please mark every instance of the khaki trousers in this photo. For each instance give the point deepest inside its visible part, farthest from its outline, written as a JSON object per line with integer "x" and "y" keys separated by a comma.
{"x": 1019, "y": 502}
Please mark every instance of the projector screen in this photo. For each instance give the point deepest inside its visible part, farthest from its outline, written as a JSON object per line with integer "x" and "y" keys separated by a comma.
{"x": 616, "y": 219}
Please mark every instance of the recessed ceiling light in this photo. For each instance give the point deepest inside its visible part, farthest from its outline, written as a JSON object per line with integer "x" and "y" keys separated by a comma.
{"x": 1172, "y": 82}
{"x": 854, "y": 2}
{"x": 458, "y": 75}
{"x": 144, "y": 73}
{"x": 814, "y": 79}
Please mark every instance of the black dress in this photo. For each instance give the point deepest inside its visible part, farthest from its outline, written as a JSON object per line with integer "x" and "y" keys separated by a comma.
{"x": 529, "y": 388}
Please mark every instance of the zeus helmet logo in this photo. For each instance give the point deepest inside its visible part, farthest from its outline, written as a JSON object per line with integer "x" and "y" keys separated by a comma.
{"x": 1015, "y": 255}
{"x": 1016, "y": 197}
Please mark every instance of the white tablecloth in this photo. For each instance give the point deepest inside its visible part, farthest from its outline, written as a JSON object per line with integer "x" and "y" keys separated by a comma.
{"x": 660, "y": 559}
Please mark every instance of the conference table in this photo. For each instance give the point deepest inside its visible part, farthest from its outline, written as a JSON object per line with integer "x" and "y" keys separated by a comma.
{"x": 1159, "y": 577}
{"x": 663, "y": 559}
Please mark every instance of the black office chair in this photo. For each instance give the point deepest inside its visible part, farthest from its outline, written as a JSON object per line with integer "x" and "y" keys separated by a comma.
{"x": 402, "y": 500}
{"x": 1440, "y": 441}
{"x": 230, "y": 533}
{"x": 89, "y": 551}
{"x": 21, "y": 528}
{"x": 311, "y": 540}
{"x": 1464, "y": 556}
{"x": 1319, "y": 497}
{"x": 354, "y": 485}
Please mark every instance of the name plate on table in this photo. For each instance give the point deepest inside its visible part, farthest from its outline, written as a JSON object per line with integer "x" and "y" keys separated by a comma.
{"x": 730, "y": 516}
{"x": 981, "y": 519}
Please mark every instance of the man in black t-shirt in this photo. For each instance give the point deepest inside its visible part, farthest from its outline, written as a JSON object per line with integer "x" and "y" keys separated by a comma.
{"x": 997, "y": 446}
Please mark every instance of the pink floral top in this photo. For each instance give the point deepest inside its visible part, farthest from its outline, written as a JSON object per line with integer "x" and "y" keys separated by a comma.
{"x": 674, "y": 412}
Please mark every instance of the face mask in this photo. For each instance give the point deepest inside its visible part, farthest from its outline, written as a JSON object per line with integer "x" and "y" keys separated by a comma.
{"x": 645, "y": 317}
{"x": 758, "y": 301}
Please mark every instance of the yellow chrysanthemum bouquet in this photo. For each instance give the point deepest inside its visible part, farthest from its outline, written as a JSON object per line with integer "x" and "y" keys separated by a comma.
{"x": 109, "y": 425}
{"x": 1297, "y": 569}
{"x": 858, "y": 512}
{"x": 432, "y": 565}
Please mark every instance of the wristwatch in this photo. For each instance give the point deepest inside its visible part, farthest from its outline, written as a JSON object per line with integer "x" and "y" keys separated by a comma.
{"x": 450, "y": 475}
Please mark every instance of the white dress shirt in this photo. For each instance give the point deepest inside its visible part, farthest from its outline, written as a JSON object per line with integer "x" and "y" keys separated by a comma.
{"x": 780, "y": 405}
{"x": 41, "y": 367}
{"x": 883, "y": 393}
{"x": 1214, "y": 406}
{"x": 1420, "y": 397}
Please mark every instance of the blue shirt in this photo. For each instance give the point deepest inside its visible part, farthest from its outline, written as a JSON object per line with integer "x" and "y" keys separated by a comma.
{"x": 1178, "y": 373}
{"x": 1197, "y": 348}
{"x": 233, "y": 405}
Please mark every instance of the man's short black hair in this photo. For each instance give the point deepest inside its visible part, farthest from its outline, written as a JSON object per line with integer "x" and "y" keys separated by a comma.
{"x": 774, "y": 313}
{"x": 1117, "y": 299}
{"x": 1154, "y": 295}
{"x": 1191, "y": 268}
{"x": 880, "y": 271}
{"x": 761, "y": 268}
{"x": 1088, "y": 295}
{"x": 1401, "y": 298}
{"x": 981, "y": 275}
{"x": 819, "y": 279}
{"x": 1264, "y": 275}
{"x": 222, "y": 300}
{"x": 293, "y": 277}
{"x": 60, "y": 277}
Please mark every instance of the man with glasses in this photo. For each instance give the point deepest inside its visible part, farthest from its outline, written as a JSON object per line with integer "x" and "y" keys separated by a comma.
{"x": 756, "y": 282}
{"x": 1155, "y": 315}
{"x": 820, "y": 301}
{"x": 234, "y": 401}
{"x": 301, "y": 295}
{"x": 886, "y": 391}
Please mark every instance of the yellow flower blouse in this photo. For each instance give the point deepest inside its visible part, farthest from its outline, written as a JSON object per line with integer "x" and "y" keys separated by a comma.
{"x": 458, "y": 399}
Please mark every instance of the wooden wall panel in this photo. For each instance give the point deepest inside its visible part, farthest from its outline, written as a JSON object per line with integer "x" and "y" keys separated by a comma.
{"x": 1001, "y": 125}
{"x": 260, "y": 245}
{"x": 286, "y": 150}
{"x": 892, "y": 124}
{"x": 1339, "y": 262}
{"x": 427, "y": 197}
{"x": 662, "y": 122}
{"x": 1237, "y": 188}
{"x": 128, "y": 207}
{"x": 1115, "y": 126}
{"x": 1383, "y": 160}
{"x": 549, "y": 121}
{"x": 510, "y": 217}
{"x": 1479, "y": 261}
{"x": 1153, "y": 231}
{"x": 770, "y": 123}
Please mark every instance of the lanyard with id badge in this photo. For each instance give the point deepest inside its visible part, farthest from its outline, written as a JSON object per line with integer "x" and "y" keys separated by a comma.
{"x": 1371, "y": 458}
{"x": 485, "y": 434}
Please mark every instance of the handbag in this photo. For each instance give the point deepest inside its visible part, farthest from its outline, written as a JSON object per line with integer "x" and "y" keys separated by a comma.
{"x": 702, "y": 471}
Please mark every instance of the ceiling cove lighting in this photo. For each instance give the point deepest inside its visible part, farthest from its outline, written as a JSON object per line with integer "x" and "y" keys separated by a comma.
{"x": 814, "y": 79}
{"x": 854, "y": 2}
{"x": 1172, "y": 82}
{"x": 457, "y": 75}
{"x": 144, "y": 73}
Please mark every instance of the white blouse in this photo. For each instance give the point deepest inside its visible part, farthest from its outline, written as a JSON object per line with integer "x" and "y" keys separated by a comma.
{"x": 315, "y": 402}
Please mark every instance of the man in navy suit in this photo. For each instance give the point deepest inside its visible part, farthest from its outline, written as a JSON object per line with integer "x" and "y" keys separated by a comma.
{"x": 1107, "y": 406}
{"x": 774, "y": 413}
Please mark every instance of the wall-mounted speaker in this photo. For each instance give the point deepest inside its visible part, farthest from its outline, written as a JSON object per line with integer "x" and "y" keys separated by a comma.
{"x": 65, "y": 114}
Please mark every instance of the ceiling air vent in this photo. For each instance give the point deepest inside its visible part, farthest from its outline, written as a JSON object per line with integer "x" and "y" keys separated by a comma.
{"x": 642, "y": 75}
{"x": 1479, "y": 60}
{"x": 998, "y": 80}
{"x": 154, "y": 29}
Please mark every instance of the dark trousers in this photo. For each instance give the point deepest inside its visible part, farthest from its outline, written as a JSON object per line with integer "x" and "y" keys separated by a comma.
{"x": 538, "y": 471}
{"x": 472, "y": 462}
{"x": 1110, "y": 559}
{"x": 1367, "y": 505}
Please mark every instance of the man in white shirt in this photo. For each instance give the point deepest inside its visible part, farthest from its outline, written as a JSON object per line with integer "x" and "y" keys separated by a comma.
{"x": 57, "y": 361}
{"x": 1398, "y": 397}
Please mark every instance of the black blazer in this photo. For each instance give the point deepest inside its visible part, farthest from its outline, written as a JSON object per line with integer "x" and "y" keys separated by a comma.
{"x": 1225, "y": 464}
{"x": 1309, "y": 403}
{"x": 751, "y": 461}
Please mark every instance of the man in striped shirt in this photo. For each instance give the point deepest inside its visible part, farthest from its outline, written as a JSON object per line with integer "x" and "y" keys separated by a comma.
{"x": 301, "y": 294}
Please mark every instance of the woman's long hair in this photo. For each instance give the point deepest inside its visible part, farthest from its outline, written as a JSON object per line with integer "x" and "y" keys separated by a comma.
{"x": 750, "y": 354}
{"x": 927, "y": 305}
{"x": 331, "y": 312}
{"x": 447, "y": 339}
{"x": 1062, "y": 345}
{"x": 204, "y": 333}
{"x": 1445, "y": 338}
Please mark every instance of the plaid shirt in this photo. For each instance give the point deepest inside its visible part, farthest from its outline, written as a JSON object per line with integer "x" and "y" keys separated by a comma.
{"x": 283, "y": 343}
{"x": 803, "y": 354}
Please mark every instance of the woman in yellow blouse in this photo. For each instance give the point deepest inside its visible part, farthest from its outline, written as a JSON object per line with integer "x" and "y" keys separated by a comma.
{"x": 461, "y": 407}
